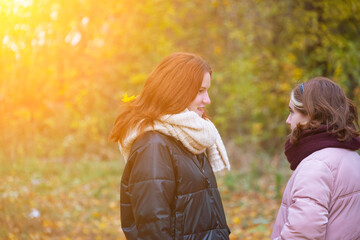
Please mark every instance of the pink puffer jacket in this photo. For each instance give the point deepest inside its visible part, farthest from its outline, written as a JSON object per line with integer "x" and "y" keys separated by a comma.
{"x": 322, "y": 198}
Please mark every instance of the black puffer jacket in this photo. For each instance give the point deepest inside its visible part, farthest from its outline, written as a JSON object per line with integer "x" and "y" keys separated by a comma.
{"x": 169, "y": 193}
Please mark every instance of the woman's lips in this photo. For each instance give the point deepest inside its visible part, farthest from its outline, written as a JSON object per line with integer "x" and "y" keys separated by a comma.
{"x": 201, "y": 110}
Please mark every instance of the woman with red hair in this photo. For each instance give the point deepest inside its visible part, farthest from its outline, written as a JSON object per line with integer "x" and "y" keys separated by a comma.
{"x": 171, "y": 149}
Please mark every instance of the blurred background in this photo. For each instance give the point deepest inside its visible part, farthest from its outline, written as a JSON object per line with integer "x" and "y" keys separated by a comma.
{"x": 65, "y": 66}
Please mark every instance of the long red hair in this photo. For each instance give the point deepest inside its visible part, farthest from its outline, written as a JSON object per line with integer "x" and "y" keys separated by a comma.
{"x": 169, "y": 89}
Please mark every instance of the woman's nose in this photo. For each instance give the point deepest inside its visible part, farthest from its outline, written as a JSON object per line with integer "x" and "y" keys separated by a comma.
{"x": 288, "y": 120}
{"x": 206, "y": 99}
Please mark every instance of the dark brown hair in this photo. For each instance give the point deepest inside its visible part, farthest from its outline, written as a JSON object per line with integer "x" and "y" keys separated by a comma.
{"x": 169, "y": 89}
{"x": 326, "y": 104}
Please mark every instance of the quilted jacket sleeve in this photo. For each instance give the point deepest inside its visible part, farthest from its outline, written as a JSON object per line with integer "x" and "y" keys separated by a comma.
{"x": 152, "y": 190}
{"x": 308, "y": 212}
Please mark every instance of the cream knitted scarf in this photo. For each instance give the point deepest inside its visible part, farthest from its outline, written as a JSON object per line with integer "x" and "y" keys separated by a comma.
{"x": 195, "y": 133}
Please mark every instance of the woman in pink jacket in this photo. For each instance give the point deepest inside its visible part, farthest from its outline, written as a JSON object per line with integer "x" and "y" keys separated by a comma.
{"x": 322, "y": 197}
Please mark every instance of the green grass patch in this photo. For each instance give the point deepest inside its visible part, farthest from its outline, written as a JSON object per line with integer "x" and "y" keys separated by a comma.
{"x": 60, "y": 200}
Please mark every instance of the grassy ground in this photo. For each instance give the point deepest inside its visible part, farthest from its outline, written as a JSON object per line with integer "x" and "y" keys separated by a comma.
{"x": 80, "y": 200}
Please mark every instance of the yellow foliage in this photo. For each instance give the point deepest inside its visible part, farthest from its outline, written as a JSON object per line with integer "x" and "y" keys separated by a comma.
{"x": 11, "y": 236}
{"x": 338, "y": 71}
{"x": 23, "y": 113}
{"x": 256, "y": 128}
{"x": 138, "y": 78}
{"x": 128, "y": 99}
{"x": 96, "y": 215}
{"x": 102, "y": 225}
{"x": 215, "y": 3}
{"x": 218, "y": 50}
{"x": 48, "y": 224}
{"x": 297, "y": 73}
{"x": 291, "y": 57}
{"x": 285, "y": 87}
{"x": 236, "y": 220}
